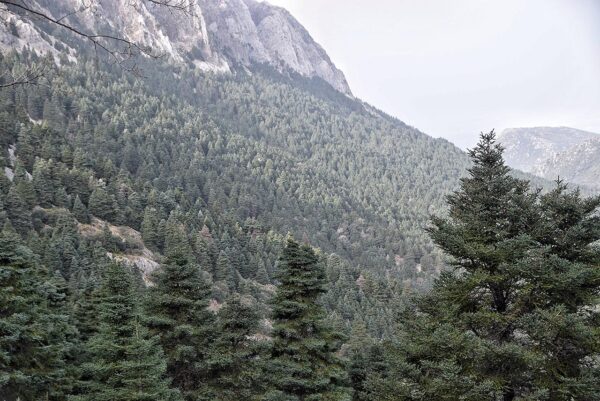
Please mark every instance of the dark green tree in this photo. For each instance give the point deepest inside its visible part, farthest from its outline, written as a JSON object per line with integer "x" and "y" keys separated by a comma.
{"x": 43, "y": 183}
{"x": 237, "y": 353}
{"x": 515, "y": 318}
{"x": 102, "y": 204}
{"x": 17, "y": 210}
{"x": 32, "y": 326}
{"x": 125, "y": 362}
{"x": 80, "y": 211}
{"x": 178, "y": 315}
{"x": 149, "y": 228}
{"x": 303, "y": 364}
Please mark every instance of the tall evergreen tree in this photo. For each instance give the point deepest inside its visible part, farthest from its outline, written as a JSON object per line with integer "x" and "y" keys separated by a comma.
{"x": 102, "y": 204}
{"x": 149, "y": 228}
{"x": 178, "y": 315}
{"x": 126, "y": 364}
{"x": 32, "y": 331}
{"x": 236, "y": 354}
{"x": 80, "y": 211}
{"x": 17, "y": 210}
{"x": 516, "y": 318}
{"x": 303, "y": 365}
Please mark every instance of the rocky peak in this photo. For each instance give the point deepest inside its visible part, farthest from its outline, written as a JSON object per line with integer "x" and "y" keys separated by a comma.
{"x": 552, "y": 152}
{"x": 527, "y": 148}
{"x": 216, "y": 36}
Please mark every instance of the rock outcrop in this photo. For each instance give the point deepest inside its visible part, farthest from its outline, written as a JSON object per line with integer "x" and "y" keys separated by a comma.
{"x": 214, "y": 35}
{"x": 552, "y": 152}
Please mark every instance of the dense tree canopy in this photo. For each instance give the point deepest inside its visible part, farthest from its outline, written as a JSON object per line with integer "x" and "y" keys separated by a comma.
{"x": 517, "y": 317}
{"x": 166, "y": 201}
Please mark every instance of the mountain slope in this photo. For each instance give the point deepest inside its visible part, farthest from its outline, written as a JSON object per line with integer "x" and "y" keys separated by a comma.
{"x": 550, "y": 152}
{"x": 579, "y": 164}
{"x": 214, "y": 35}
{"x": 526, "y": 148}
{"x": 290, "y": 152}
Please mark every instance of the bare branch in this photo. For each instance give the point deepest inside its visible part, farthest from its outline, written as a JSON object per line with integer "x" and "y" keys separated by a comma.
{"x": 30, "y": 76}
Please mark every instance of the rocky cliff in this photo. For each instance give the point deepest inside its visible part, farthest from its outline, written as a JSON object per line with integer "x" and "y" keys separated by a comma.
{"x": 215, "y": 35}
{"x": 580, "y": 164}
{"x": 550, "y": 152}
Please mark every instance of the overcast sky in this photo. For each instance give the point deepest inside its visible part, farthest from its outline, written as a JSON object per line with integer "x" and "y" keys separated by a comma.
{"x": 455, "y": 68}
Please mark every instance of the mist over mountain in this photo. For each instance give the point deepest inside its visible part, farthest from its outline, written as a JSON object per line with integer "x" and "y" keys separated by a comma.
{"x": 552, "y": 152}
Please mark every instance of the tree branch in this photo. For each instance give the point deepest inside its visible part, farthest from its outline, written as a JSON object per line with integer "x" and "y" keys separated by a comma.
{"x": 121, "y": 50}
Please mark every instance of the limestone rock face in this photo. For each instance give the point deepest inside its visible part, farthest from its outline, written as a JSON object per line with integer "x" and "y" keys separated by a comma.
{"x": 552, "y": 152}
{"x": 215, "y": 35}
{"x": 579, "y": 164}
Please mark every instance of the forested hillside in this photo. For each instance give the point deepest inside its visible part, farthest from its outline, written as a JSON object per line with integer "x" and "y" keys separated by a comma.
{"x": 148, "y": 251}
{"x": 304, "y": 160}
{"x": 102, "y": 166}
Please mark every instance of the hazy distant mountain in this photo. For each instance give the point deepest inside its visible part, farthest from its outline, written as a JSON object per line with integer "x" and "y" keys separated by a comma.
{"x": 580, "y": 164}
{"x": 550, "y": 152}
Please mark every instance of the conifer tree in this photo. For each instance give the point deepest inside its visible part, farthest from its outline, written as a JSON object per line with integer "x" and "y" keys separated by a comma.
{"x": 202, "y": 252}
{"x": 235, "y": 355}
{"x": 150, "y": 228}
{"x": 32, "y": 332}
{"x": 262, "y": 276}
{"x": 23, "y": 186}
{"x": 561, "y": 283}
{"x": 223, "y": 269}
{"x": 80, "y": 211}
{"x": 102, "y": 204}
{"x": 516, "y": 318}
{"x": 303, "y": 363}
{"x": 42, "y": 183}
{"x": 126, "y": 364}
{"x": 178, "y": 315}
{"x": 18, "y": 213}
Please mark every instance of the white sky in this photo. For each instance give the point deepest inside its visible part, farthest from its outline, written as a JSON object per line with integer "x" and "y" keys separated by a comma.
{"x": 453, "y": 68}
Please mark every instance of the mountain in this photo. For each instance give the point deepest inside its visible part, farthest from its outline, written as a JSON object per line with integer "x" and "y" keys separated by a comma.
{"x": 579, "y": 164}
{"x": 234, "y": 157}
{"x": 550, "y": 152}
{"x": 213, "y": 35}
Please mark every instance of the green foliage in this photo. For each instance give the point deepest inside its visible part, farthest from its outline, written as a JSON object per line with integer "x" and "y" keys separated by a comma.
{"x": 211, "y": 169}
{"x": 303, "y": 363}
{"x": 17, "y": 210}
{"x": 178, "y": 315}
{"x": 34, "y": 330}
{"x": 517, "y": 318}
{"x": 236, "y": 354}
{"x": 102, "y": 204}
{"x": 80, "y": 211}
{"x": 125, "y": 362}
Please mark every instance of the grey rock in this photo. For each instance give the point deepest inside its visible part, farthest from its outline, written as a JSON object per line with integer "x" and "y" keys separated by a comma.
{"x": 552, "y": 152}
{"x": 215, "y": 35}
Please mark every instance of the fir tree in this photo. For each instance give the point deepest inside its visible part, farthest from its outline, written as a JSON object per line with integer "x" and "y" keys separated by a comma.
{"x": 178, "y": 315}
{"x": 18, "y": 213}
{"x": 223, "y": 269}
{"x": 125, "y": 362}
{"x": 515, "y": 318}
{"x": 80, "y": 211}
{"x": 303, "y": 364}
{"x": 102, "y": 204}
{"x": 149, "y": 228}
{"x": 235, "y": 355}
{"x": 32, "y": 331}
{"x": 42, "y": 183}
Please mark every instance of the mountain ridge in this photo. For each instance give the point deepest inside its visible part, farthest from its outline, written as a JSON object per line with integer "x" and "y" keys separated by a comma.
{"x": 213, "y": 35}
{"x": 552, "y": 152}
